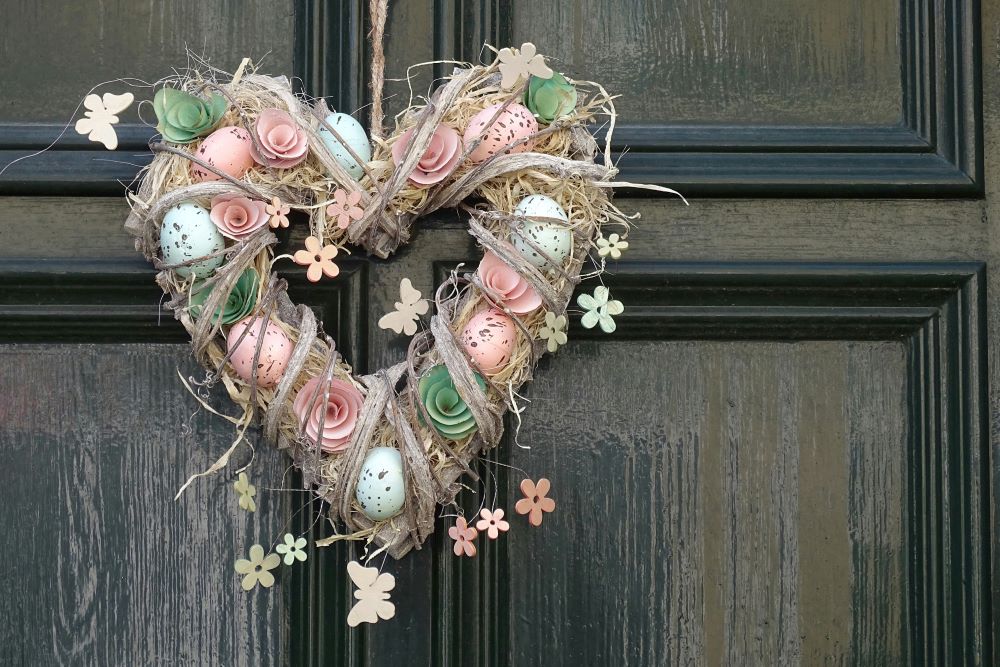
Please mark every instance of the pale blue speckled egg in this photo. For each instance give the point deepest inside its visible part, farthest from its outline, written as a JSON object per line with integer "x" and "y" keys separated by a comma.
{"x": 554, "y": 239}
{"x": 187, "y": 233}
{"x": 353, "y": 134}
{"x": 381, "y": 491}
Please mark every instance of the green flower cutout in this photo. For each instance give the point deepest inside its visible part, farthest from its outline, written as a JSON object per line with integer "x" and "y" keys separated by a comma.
{"x": 239, "y": 304}
{"x": 247, "y": 491}
{"x": 182, "y": 117}
{"x": 554, "y": 331}
{"x": 449, "y": 414}
{"x": 293, "y": 549}
{"x": 614, "y": 245}
{"x": 550, "y": 99}
{"x": 256, "y": 570}
{"x": 599, "y": 310}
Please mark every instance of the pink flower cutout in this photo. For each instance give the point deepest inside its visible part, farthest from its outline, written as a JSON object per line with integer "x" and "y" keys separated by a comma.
{"x": 345, "y": 207}
{"x": 535, "y": 501}
{"x": 463, "y": 534}
{"x": 319, "y": 259}
{"x": 237, "y": 216}
{"x": 336, "y": 417}
{"x": 282, "y": 142}
{"x": 515, "y": 292}
{"x": 492, "y": 523}
{"x": 438, "y": 160}
{"x": 278, "y": 212}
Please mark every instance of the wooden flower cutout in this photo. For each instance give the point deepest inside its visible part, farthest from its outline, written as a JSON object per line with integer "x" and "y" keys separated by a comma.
{"x": 256, "y": 570}
{"x": 279, "y": 213}
{"x": 319, "y": 259}
{"x": 535, "y": 501}
{"x": 613, "y": 245}
{"x": 345, "y": 207}
{"x": 247, "y": 491}
{"x": 554, "y": 331}
{"x": 409, "y": 308}
{"x": 599, "y": 309}
{"x": 517, "y": 64}
{"x": 492, "y": 523}
{"x": 292, "y": 549}
{"x": 463, "y": 534}
{"x": 372, "y": 595}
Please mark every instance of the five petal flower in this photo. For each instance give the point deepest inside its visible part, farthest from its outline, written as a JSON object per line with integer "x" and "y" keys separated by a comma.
{"x": 535, "y": 500}
{"x": 554, "y": 331}
{"x": 256, "y": 570}
{"x": 345, "y": 207}
{"x": 319, "y": 259}
{"x": 613, "y": 245}
{"x": 599, "y": 309}
{"x": 520, "y": 64}
{"x": 247, "y": 491}
{"x": 463, "y": 534}
{"x": 492, "y": 523}
{"x": 293, "y": 549}
{"x": 279, "y": 213}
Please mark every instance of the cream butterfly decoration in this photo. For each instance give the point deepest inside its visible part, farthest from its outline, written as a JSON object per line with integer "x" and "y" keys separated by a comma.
{"x": 408, "y": 310}
{"x": 102, "y": 116}
{"x": 372, "y": 595}
{"x": 520, "y": 64}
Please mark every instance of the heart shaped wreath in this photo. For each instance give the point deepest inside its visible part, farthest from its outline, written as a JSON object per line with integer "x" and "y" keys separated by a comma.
{"x": 508, "y": 142}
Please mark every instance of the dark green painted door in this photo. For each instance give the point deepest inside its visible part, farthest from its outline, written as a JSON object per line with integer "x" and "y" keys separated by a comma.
{"x": 785, "y": 455}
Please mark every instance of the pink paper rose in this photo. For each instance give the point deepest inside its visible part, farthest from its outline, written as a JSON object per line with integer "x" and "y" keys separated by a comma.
{"x": 237, "y": 216}
{"x": 283, "y": 144}
{"x": 337, "y": 416}
{"x": 516, "y": 293}
{"x": 437, "y": 161}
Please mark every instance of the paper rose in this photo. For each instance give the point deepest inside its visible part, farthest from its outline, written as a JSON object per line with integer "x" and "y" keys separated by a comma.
{"x": 240, "y": 302}
{"x": 283, "y": 143}
{"x": 181, "y": 117}
{"x": 449, "y": 414}
{"x": 336, "y": 417}
{"x": 237, "y": 217}
{"x": 514, "y": 291}
{"x": 437, "y": 161}
{"x": 550, "y": 98}
{"x": 463, "y": 534}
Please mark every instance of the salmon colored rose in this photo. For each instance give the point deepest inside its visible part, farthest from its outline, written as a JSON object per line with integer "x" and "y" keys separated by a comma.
{"x": 238, "y": 217}
{"x": 437, "y": 162}
{"x": 514, "y": 291}
{"x": 282, "y": 142}
{"x": 337, "y": 417}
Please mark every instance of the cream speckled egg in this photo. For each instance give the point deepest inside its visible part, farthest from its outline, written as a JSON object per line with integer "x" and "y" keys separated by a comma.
{"x": 353, "y": 134}
{"x": 555, "y": 239}
{"x": 489, "y": 338}
{"x": 275, "y": 351}
{"x": 381, "y": 490}
{"x": 228, "y": 150}
{"x": 187, "y": 233}
{"x": 513, "y": 124}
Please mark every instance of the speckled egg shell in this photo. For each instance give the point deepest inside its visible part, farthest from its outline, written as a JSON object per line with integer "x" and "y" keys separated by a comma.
{"x": 187, "y": 233}
{"x": 555, "y": 239}
{"x": 380, "y": 490}
{"x": 274, "y": 351}
{"x": 228, "y": 150}
{"x": 514, "y": 123}
{"x": 353, "y": 134}
{"x": 489, "y": 338}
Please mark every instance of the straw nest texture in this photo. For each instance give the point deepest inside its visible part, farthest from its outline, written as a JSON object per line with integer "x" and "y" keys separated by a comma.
{"x": 561, "y": 164}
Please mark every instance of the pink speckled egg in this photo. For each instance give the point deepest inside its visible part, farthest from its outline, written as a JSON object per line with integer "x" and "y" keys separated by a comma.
{"x": 513, "y": 124}
{"x": 488, "y": 338}
{"x": 274, "y": 351}
{"x": 228, "y": 150}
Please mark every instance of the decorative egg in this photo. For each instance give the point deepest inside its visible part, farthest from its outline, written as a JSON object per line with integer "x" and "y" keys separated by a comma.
{"x": 513, "y": 124}
{"x": 228, "y": 150}
{"x": 188, "y": 233}
{"x": 489, "y": 338}
{"x": 353, "y": 135}
{"x": 381, "y": 490}
{"x": 275, "y": 351}
{"x": 554, "y": 239}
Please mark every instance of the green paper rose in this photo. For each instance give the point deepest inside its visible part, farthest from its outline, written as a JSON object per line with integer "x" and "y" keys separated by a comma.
{"x": 182, "y": 117}
{"x": 239, "y": 303}
{"x": 449, "y": 414}
{"x": 550, "y": 98}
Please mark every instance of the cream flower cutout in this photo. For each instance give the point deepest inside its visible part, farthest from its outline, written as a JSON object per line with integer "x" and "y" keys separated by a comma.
{"x": 554, "y": 331}
{"x": 293, "y": 549}
{"x": 520, "y": 64}
{"x": 247, "y": 491}
{"x": 345, "y": 207}
{"x": 613, "y": 245}
{"x": 279, "y": 213}
{"x": 255, "y": 570}
{"x": 600, "y": 309}
{"x": 318, "y": 258}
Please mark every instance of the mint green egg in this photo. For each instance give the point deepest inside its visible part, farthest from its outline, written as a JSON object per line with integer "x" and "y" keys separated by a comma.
{"x": 187, "y": 233}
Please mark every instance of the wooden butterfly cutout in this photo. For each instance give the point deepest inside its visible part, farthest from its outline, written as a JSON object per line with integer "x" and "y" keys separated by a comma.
{"x": 102, "y": 116}
{"x": 408, "y": 310}
{"x": 372, "y": 595}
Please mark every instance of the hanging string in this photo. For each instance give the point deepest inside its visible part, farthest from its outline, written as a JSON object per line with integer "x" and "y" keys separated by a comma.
{"x": 379, "y": 10}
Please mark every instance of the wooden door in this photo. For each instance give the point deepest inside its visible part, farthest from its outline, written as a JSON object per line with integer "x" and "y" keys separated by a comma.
{"x": 783, "y": 456}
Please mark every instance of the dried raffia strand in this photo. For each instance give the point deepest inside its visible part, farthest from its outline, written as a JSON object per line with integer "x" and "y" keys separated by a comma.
{"x": 379, "y": 12}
